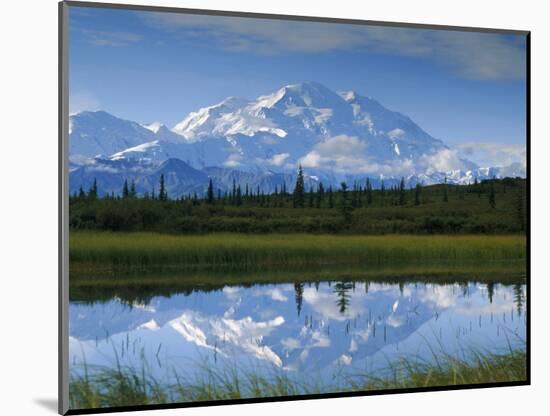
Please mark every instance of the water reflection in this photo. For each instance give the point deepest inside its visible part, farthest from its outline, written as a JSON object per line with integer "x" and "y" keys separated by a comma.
{"x": 321, "y": 327}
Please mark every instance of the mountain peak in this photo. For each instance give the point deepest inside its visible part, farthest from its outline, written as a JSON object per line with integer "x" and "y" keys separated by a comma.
{"x": 205, "y": 117}
{"x": 93, "y": 113}
{"x": 308, "y": 94}
{"x": 334, "y": 135}
{"x": 99, "y": 132}
{"x": 306, "y": 86}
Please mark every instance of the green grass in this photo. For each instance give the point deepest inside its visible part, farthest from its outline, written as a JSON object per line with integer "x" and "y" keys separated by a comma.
{"x": 132, "y": 286}
{"x": 452, "y": 371}
{"x": 130, "y": 387}
{"x": 109, "y": 251}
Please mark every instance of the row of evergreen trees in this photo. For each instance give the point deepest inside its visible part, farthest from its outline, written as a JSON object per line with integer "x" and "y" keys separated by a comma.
{"x": 349, "y": 199}
{"x": 344, "y": 289}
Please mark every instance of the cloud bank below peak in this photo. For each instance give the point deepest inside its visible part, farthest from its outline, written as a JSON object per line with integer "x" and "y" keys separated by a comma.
{"x": 493, "y": 154}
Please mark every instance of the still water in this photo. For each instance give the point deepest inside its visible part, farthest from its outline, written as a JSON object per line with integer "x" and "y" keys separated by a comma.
{"x": 316, "y": 330}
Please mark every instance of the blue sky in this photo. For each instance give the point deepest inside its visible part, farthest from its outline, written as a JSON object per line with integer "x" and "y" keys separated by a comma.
{"x": 462, "y": 88}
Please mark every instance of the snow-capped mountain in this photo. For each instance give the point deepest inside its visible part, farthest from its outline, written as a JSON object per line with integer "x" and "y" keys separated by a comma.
{"x": 312, "y": 125}
{"x": 93, "y": 133}
{"x": 335, "y": 136}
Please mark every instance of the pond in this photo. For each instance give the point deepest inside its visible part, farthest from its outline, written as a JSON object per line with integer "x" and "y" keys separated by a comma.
{"x": 332, "y": 332}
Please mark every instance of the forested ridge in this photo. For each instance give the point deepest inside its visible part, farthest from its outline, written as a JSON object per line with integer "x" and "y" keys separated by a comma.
{"x": 490, "y": 206}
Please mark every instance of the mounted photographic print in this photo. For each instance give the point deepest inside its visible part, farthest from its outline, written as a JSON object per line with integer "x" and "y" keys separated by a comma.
{"x": 262, "y": 208}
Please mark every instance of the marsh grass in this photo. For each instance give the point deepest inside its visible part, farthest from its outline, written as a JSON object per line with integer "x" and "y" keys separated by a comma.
{"x": 141, "y": 251}
{"x": 102, "y": 387}
{"x": 480, "y": 368}
{"x": 131, "y": 285}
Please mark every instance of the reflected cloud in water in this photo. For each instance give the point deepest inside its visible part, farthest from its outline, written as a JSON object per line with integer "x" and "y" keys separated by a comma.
{"x": 323, "y": 327}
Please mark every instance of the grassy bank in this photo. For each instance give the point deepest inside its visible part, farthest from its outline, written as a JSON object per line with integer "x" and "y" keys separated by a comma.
{"x": 123, "y": 387}
{"x": 141, "y": 286}
{"x": 108, "y": 251}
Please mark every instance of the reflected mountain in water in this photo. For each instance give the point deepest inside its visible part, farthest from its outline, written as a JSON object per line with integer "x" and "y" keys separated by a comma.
{"x": 321, "y": 327}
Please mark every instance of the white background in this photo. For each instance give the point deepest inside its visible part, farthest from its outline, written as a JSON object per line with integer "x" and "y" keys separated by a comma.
{"x": 28, "y": 212}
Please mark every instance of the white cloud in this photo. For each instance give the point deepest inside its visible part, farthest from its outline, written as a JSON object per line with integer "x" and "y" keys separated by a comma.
{"x": 324, "y": 305}
{"x": 278, "y": 159}
{"x": 275, "y": 294}
{"x": 233, "y": 160}
{"x": 290, "y": 344}
{"x": 311, "y": 160}
{"x": 340, "y": 152}
{"x": 444, "y": 160}
{"x": 340, "y": 146}
{"x": 439, "y": 296}
{"x": 396, "y": 133}
{"x": 493, "y": 154}
{"x": 468, "y": 54}
{"x": 348, "y": 154}
{"x": 113, "y": 39}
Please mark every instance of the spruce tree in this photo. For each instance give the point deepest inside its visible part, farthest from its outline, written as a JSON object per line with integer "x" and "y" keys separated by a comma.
{"x": 345, "y": 204}
{"x": 492, "y": 201}
{"x": 402, "y": 199}
{"x": 310, "y": 199}
{"x": 81, "y": 193}
{"x": 238, "y": 197}
{"x": 163, "y": 195}
{"x": 490, "y": 291}
{"x": 93, "y": 190}
{"x": 320, "y": 195}
{"x": 298, "y": 294}
{"x": 298, "y": 195}
{"x": 519, "y": 298}
{"x": 330, "y": 197}
{"x": 417, "y": 191}
{"x": 369, "y": 192}
{"x": 133, "y": 192}
{"x": 125, "y": 190}
{"x": 234, "y": 192}
{"x": 476, "y": 188}
{"x": 342, "y": 289}
{"x": 354, "y": 198}
{"x": 210, "y": 192}
{"x": 445, "y": 192}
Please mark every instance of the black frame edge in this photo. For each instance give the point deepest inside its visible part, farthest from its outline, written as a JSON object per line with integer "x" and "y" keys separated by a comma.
{"x": 528, "y": 196}
{"x": 337, "y": 395}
